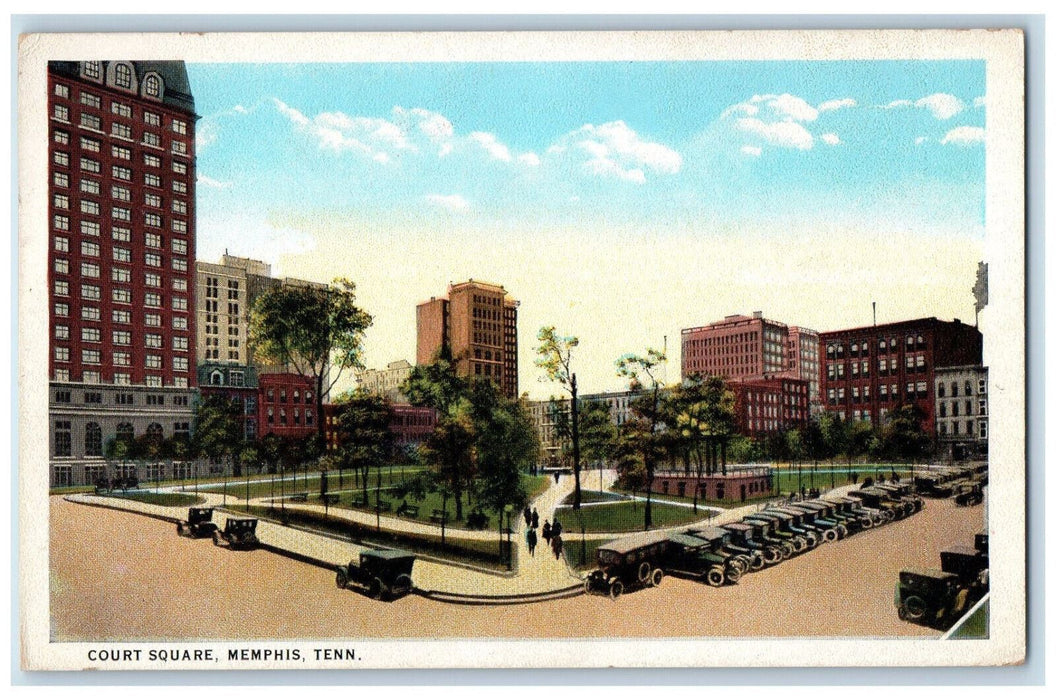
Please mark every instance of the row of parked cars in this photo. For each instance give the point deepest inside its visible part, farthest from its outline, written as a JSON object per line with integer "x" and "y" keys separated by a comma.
{"x": 382, "y": 574}
{"x": 964, "y": 484}
{"x": 938, "y": 597}
{"x": 722, "y": 555}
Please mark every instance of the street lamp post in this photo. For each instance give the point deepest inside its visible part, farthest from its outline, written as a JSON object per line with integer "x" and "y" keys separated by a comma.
{"x": 508, "y": 509}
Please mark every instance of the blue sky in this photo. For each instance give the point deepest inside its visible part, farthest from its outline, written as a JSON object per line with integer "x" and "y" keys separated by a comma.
{"x": 599, "y": 191}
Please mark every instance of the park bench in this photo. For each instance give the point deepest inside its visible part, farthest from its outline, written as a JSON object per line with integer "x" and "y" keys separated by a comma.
{"x": 407, "y": 511}
{"x": 358, "y": 501}
{"x": 384, "y": 506}
{"x": 300, "y": 497}
{"x": 331, "y": 499}
{"x": 438, "y": 516}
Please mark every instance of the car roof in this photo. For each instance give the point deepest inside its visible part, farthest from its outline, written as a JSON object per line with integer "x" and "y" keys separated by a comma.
{"x": 632, "y": 542}
{"x": 709, "y": 533}
{"x": 687, "y": 540}
{"x": 387, "y": 553}
{"x": 930, "y": 573}
{"x": 961, "y": 549}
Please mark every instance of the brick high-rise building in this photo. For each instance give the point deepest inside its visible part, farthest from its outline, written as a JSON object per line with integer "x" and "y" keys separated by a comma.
{"x": 752, "y": 347}
{"x": 477, "y": 322}
{"x": 869, "y": 371}
{"x": 122, "y": 243}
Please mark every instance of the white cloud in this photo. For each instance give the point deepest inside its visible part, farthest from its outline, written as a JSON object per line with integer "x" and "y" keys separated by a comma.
{"x": 451, "y": 202}
{"x": 528, "y": 158}
{"x": 206, "y": 135}
{"x": 615, "y": 150}
{"x": 239, "y": 109}
{"x": 787, "y": 134}
{"x": 898, "y": 103}
{"x": 495, "y": 148}
{"x": 831, "y": 139}
{"x": 785, "y": 106}
{"x": 964, "y": 135}
{"x": 832, "y": 105}
{"x": 941, "y": 105}
{"x": 751, "y": 151}
{"x": 920, "y": 139}
{"x": 979, "y": 102}
{"x": 210, "y": 182}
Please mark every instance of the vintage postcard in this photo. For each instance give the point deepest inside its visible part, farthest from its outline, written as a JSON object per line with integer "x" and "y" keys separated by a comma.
{"x": 521, "y": 349}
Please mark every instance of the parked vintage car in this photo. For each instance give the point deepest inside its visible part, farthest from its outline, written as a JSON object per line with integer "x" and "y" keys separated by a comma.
{"x": 982, "y": 543}
{"x": 722, "y": 544}
{"x": 968, "y": 563}
{"x": 846, "y": 523}
{"x": 751, "y": 537}
{"x": 872, "y": 497}
{"x": 238, "y": 533}
{"x": 905, "y": 493}
{"x": 791, "y": 542}
{"x": 830, "y": 529}
{"x": 199, "y": 523}
{"x": 930, "y": 597}
{"x": 383, "y": 574}
{"x": 866, "y": 519}
{"x": 970, "y": 493}
{"x": 796, "y": 522}
{"x": 629, "y": 562}
{"x": 692, "y": 556}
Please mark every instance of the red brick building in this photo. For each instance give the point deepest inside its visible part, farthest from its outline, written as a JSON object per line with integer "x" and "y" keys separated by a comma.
{"x": 740, "y": 483}
{"x": 869, "y": 371}
{"x": 287, "y": 405}
{"x": 770, "y": 404}
{"x": 477, "y": 322}
{"x": 410, "y": 425}
{"x": 121, "y": 221}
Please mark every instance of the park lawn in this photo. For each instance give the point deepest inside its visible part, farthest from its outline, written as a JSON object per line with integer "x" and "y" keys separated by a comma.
{"x": 627, "y": 516}
{"x": 586, "y": 496}
{"x": 468, "y": 551}
{"x": 977, "y": 626}
{"x": 264, "y": 487}
{"x": 789, "y": 479}
{"x": 161, "y": 499}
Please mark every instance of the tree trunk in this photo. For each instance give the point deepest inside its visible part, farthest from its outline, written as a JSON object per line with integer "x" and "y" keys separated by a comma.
{"x": 577, "y": 497}
{"x": 320, "y": 421}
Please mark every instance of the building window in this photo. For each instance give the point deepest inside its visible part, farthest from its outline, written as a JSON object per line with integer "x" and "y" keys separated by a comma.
{"x": 153, "y": 320}
{"x": 151, "y": 219}
{"x": 982, "y": 430}
{"x": 121, "y": 152}
{"x": 121, "y": 214}
{"x": 90, "y": 335}
{"x": 60, "y": 179}
{"x": 153, "y": 362}
{"x": 122, "y": 359}
{"x": 152, "y": 119}
{"x": 62, "y": 91}
{"x": 122, "y": 296}
{"x": 60, "y": 223}
{"x": 152, "y": 259}
{"x": 151, "y": 180}
{"x": 122, "y": 338}
{"x": 62, "y": 354}
{"x": 91, "y": 292}
{"x": 151, "y": 160}
{"x": 151, "y": 139}
{"x": 120, "y": 109}
{"x": 93, "y": 440}
{"x": 91, "y": 357}
{"x": 62, "y": 309}
{"x": 152, "y": 340}
{"x": 122, "y": 255}
{"x": 63, "y": 441}
{"x": 61, "y": 158}
{"x": 121, "y": 131}
{"x": 62, "y": 266}
{"x": 123, "y": 234}
{"x": 152, "y": 86}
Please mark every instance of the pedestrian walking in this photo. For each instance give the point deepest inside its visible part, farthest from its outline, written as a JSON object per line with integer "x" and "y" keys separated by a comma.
{"x": 527, "y": 516}
{"x": 557, "y": 546}
{"x": 547, "y": 532}
{"x": 535, "y": 518}
{"x": 556, "y": 529}
{"x": 854, "y": 477}
{"x": 533, "y": 539}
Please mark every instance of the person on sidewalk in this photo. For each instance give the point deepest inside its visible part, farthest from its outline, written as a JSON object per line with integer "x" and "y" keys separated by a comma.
{"x": 533, "y": 539}
{"x": 547, "y": 532}
{"x": 535, "y": 518}
{"x": 557, "y": 546}
{"x": 527, "y": 516}
{"x": 556, "y": 529}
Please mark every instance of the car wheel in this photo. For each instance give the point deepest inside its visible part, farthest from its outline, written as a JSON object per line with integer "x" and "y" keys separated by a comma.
{"x": 403, "y": 584}
{"x": 643, "y": 572}
{"x": 656, "y": 577}
{"x": 831, "y": 535}
{"x": 841, "y": 531}
{"x": 342, "y": 578}
{"x": 615, "y": 589}
{"x": 867, "y": 523}
{"x": 733, "y": 575}
{"x": 772, "y": 556}
{"x": 179, "y": 530}
{"x": 376, "y": 589}
{"x": 758, "y": 562}
{"x": 587, "y": 587}
{"x": 716, "y": 576}
{"x": 916, "y": 608}
{"x": 216, "y": 539}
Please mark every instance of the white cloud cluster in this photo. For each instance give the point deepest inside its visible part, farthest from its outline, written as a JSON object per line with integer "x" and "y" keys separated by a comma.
{"x": 941, "y": 105}
{"x": 964, "y": 135}
{"x": 210, "y": 182}
{"x": 781, "y": 121}
{"x": 415, "y": 131}
{"x": 616, "y": 150}
{"x": 450, "y": 202}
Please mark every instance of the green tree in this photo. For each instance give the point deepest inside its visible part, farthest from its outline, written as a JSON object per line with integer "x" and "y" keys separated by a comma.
{"x": 905, "y": 437}
{"x": 364, "y": 421}
{"x": 318, "y": 332}
{"x": 217, "y": 429}
{"x": 555, "y": 359}
{"x": 860, "y": 437}
{"x": 642, "y": 371}
{"x": 505, "y": 447}
{"x": 597, "y": 433}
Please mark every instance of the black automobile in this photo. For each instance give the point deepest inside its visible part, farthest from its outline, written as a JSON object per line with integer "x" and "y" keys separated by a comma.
{"x": 970, "y": 493}
{"x": 629, "y": 562}
{"x": 382, "y": 574}
{"x": 238, "y": 533}
{"x": 749, "y": 537}
{"x": 199, "y": 523}
{"x": 778, "y": 530}
{"x": 693, "y": 556}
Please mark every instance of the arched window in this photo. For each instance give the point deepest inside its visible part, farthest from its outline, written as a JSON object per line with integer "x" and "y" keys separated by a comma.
{"x": 93, "y": 440}
{"x": 152, "y": 86}
{"x": 967, "y": 388}
{"x": 123, "y": 76}
{"x": 125, "y": 432}
{"x": 216, "y": 378}
{"x": 92, "y": 70}
{"x": 154, "y": 431}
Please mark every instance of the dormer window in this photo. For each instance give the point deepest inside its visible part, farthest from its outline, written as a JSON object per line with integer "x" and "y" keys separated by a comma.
{"x": 123, "y": 76}
{"x": 92, "y": 70}
{"x": 152, "y": 86}
{"x": 216, "y": 378}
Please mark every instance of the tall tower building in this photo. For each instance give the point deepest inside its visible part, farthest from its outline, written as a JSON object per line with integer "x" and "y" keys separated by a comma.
{"x": 477, "y": 322}
{"x": 121, "y": 276}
